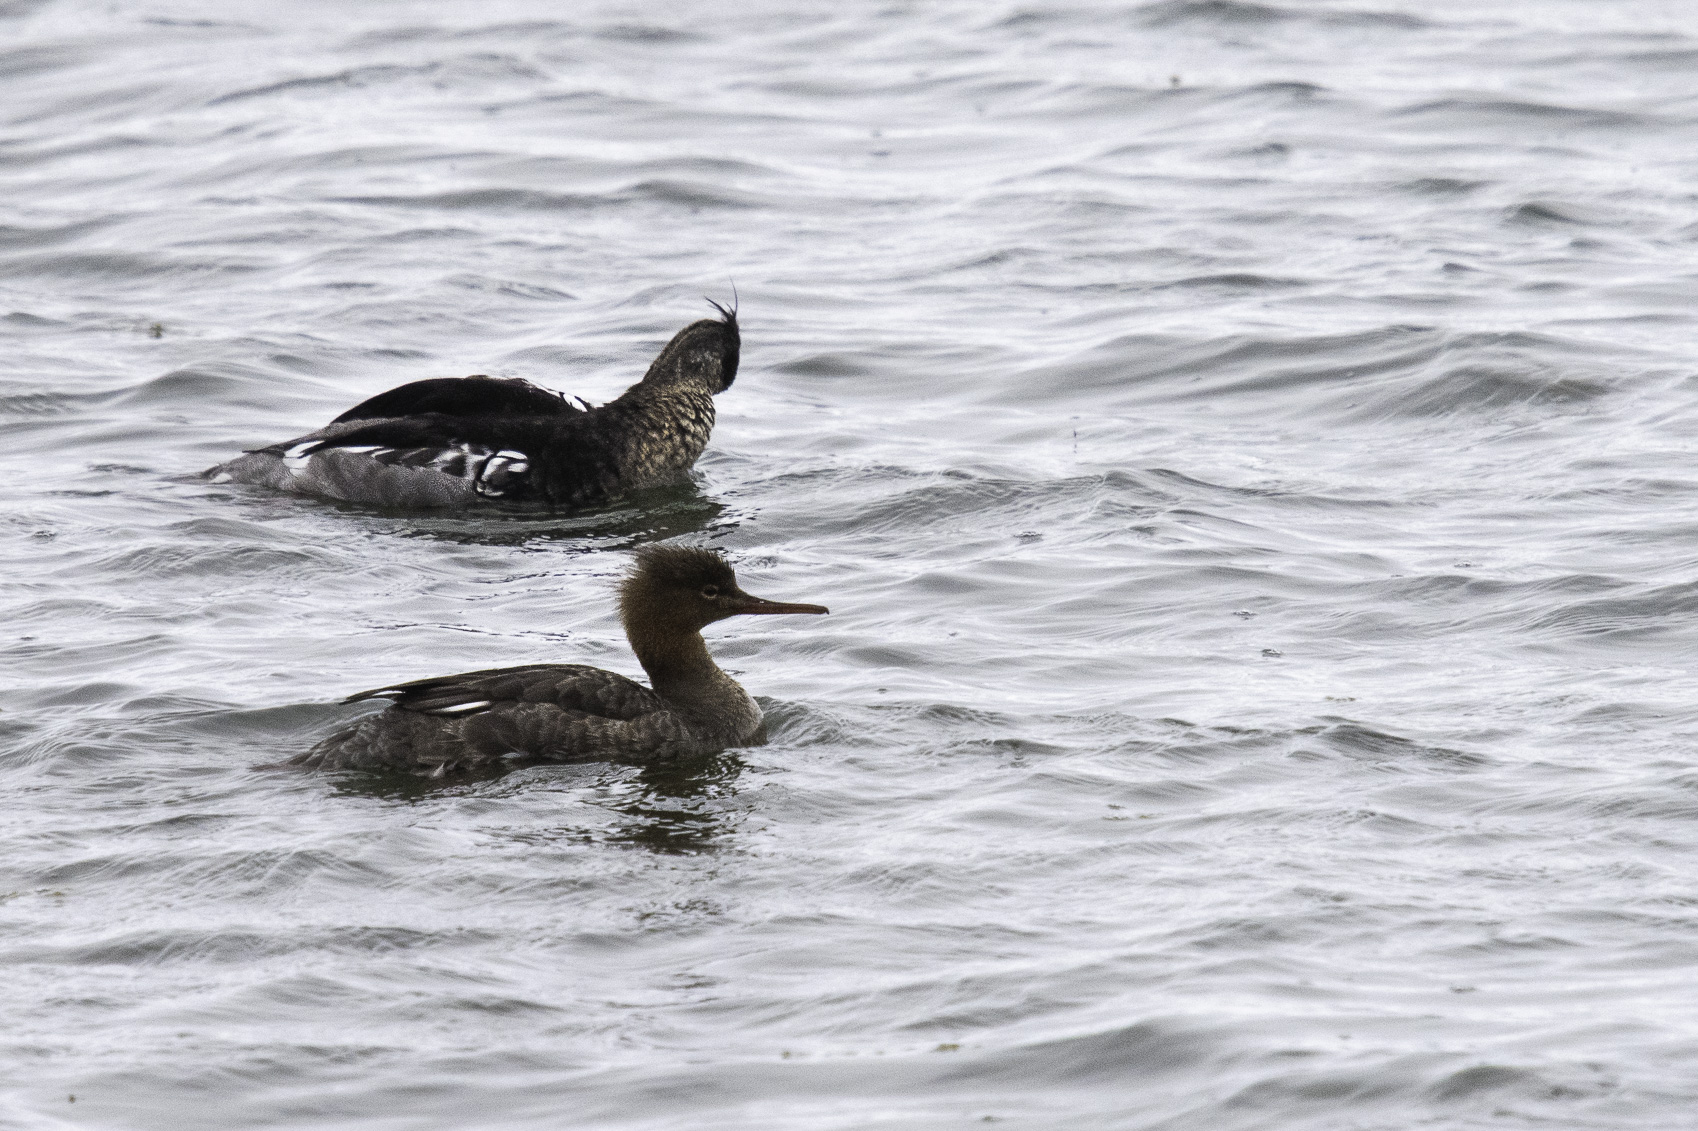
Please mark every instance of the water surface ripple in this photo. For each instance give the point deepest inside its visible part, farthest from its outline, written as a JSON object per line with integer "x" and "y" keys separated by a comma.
{"x": 1246, "y": 446}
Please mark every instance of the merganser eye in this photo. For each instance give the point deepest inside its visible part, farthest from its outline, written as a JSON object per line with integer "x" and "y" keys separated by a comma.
{"x": 710, "y": 591}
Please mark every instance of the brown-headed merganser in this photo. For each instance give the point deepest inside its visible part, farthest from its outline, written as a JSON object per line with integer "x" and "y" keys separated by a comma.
{"x": 573, "y": 713}
{"x": 460, "y": 441}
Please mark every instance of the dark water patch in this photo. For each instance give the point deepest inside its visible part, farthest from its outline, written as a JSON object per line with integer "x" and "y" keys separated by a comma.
{"x": 1229, "y": 12}
{"x": 531, "y": 31}
{"x": 1240, "y": 13}
{"x": 58, "y": 150}
{"x": 19, "y": 320}
{"x": 1679, "y": 60}
{"x": 198, "y": 25}
{"x": 46, "y": 237}
{"x": 474, "y": 69}
{"x": 226, "y": 946}
{"x": 17, "y": 9}
{"x": 25, "y": 61}
{"x": 1243, "y": 281}
{"x": 50, "y": 404}
{"x": 681, "y": 193}
{"x": 1500, "y": 112}
{"x": 507, "y": 287}
{"x": 645, "y": 33}
{"x": 106, "y": 266}
{"x": 827, "y": 365}
{"x": 476, "y": 199}
{"x": 1544, "y": 213}
{"x": 1268, "y": 153}
{"x": 1442, "y": 186}
{"x": 694, "y": 195}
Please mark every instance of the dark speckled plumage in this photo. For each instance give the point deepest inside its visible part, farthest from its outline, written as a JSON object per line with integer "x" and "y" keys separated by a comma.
{"x": 572, "y": 713}
{"x": 458, "y": 441}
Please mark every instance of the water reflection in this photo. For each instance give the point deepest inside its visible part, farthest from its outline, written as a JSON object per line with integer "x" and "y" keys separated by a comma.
{"x": 640, "y": 517}
{"x": 680, "y": 808}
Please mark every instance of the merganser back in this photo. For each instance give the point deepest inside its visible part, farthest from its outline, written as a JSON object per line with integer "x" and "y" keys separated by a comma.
{"x": 573, "y": 713}
{"x": 460, "y": 441}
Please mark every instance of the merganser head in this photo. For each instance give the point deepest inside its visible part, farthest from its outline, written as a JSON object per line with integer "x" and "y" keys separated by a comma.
{"x": 705, "y": 351}
{"x": 684, "y": 589}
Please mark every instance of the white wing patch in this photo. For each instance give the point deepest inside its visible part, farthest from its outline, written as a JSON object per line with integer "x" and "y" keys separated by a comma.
{"x": 458, "y": 708}
{"x": 295, "y": 459}
{"x": 489, "y": 473}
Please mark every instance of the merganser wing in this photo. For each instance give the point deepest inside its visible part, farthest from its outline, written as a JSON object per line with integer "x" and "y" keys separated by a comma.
{"x": 571, "y": 687}
{"x": 431, "y": 459}
{"x": 477, "y": 395}
{"x": 538, "y": 713}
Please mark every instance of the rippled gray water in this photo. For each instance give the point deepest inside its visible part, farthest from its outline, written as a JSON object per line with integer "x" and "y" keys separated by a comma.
{"x": 1247, "y": 449}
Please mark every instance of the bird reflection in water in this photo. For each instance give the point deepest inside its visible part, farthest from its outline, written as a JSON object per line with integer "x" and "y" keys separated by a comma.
{"x": 679, "y": 809}
{"x": 654, "y": 515}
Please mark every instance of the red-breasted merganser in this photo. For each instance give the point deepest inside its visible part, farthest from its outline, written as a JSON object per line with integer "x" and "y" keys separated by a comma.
{"x": 573, "y": 713}
{"x": 460, "y": 441}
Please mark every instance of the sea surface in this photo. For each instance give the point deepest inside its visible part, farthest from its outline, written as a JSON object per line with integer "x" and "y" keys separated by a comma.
{"x": 1249, "y": 449}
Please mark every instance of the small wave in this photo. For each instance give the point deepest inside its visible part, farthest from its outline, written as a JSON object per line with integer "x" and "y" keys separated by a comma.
{"x": 185, "y": 386}
{"x": 1145, "y": 1050}
{"x": 48, "y": 403}
{"x": 1478, "y": 388}
{"x": 1651, "y": 614}
{"x": 222, "y": 945}
{"x": 1357, "y": 740}
{"x": 226, "y": 561}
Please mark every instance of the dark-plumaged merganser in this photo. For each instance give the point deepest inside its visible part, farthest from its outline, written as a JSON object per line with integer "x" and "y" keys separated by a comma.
{"x": 462, "y": 441}
{"x": 573, "y": 713}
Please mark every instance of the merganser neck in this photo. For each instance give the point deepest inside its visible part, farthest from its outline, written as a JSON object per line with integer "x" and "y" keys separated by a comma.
{"x": 664, "y": 430}
{"x": 678, "y": 666}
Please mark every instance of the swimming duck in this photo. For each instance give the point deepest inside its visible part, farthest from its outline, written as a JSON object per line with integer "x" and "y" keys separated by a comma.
{"x": 574, "y": 713}
{"x": 458, "y": 441}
